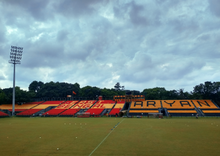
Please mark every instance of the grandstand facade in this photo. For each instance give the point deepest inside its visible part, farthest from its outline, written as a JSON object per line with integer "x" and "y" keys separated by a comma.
{"x": 120, "y": 106}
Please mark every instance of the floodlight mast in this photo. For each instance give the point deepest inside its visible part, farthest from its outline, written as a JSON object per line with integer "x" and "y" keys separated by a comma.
{"x": 15, "y": 58}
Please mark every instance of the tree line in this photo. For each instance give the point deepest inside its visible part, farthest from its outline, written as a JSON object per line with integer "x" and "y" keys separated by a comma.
{"x": 39, "y": 91}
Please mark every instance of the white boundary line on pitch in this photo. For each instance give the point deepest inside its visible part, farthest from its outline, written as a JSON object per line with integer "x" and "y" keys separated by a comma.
{"x": 104, "y": 139}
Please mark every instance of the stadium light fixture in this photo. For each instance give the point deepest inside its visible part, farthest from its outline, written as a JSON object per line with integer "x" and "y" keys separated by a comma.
{"x": 15, "y": 58}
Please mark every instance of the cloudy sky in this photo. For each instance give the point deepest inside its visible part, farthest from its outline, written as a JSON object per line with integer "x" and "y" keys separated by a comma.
{"x": 140, "y": 43}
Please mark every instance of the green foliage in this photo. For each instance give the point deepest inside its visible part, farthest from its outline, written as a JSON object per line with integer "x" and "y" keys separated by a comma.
{"x": 8, "y": 94}
{"x": 35, "y": 86}
{"x": 50, "y": 90}
{"x": 90, "y": 92}
{"x": 118, "y": 87}
{"x": 208, "y": 90}
{"x": 20, "y": 95}
{"x": 2, "y": 96}
{"x": 155, "y": 93}
{"x": 58, "y": 89}
{"x": 109, "y": 93}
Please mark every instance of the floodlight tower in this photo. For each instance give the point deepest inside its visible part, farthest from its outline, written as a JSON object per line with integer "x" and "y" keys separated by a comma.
{"x": 15, "y": 58}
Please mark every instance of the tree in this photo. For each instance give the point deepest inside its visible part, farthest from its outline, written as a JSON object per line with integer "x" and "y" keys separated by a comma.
{"x": 110, "y": 93}
{"x": 36, "y": 86}
{"x": 8, "y": 94}
{"x": 183, "y": 95}
{"x": 2, "y": 96}
{"x": 118, "y": 86}
{"x": 91, "y": 92}
{"x": 21, "y": 96}
{"x": 155, "y": 93}
{"x": 208, "y": 90}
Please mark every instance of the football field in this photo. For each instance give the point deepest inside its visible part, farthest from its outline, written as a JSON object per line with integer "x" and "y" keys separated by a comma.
{"x": 109, "y": 136}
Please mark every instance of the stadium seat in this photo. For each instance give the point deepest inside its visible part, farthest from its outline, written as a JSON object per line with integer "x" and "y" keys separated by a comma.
{"x": 28, "y": 112}
{"x": 104, "y": 104}
{"x": 148, "y": 104}
{"x": 2, "y": 114}
{"x": 40, "y": 107}
{"x": 69, "y": 112}
{"x": 60, "y": 108}
{"x": 115, "y": 111}
{"x": 204, "y": 104}
{"x": 20, "y": 108}
{"x": 177, "y": 104}
{"x": 95, "y": 112}
{"x": 144, "y": 107}
{"x": 85, "y": 104}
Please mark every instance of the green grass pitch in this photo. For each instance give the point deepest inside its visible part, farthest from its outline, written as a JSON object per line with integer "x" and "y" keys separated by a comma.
{"x": 102, "y": 136}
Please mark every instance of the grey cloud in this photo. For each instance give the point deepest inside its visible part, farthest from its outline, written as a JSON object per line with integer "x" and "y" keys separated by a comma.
{"x": 75, "y": 8}
{"x": 204, "y": 37}
{"x": 170, "y": 3}
{"x": 120, "y": 10}
{"x": 130, "y": 12}
{"x": 95, "y": 43}
{"x": 141, "y": 61}
{"x": 152, "y": 70}
{"x": 36, "y": 8}
{"x": 62, "y": 35}
{"x": 135, "y": 15}
{"x": 2, "y": 32}
{"x": 184, "y": 25}
{"x": 177, "y": 72}
{"x": 99, "y": 42}
{"x": 92, "y": 72}
{"x": 185, "y": 69}
{"x": 2, "y": 77}
{"x": 139, "y": 69}
{"x": 215, "y": 7}
{"x": 21, "y": 74}
{"x": 45, "y": 54}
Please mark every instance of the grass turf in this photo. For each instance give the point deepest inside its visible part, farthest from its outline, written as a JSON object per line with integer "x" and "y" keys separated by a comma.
{"x": 133, "y": 136}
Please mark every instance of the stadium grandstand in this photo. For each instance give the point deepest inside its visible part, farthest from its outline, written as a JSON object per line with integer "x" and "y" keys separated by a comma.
{"x": 143, "y": 108}
{"x": 206, "y": 107}
{"x": 60, "y": 108}
{"x": 101, "y": 107}
{"x": 127, "y": 105}
{"x": 179, "y": 107}
{"x": 78, "y": 107}
{"x": 40, "y": 108}
{"x": 117, "y": 108}
{"x": 3, "y": 114}
{"x": 18, "y": 108}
